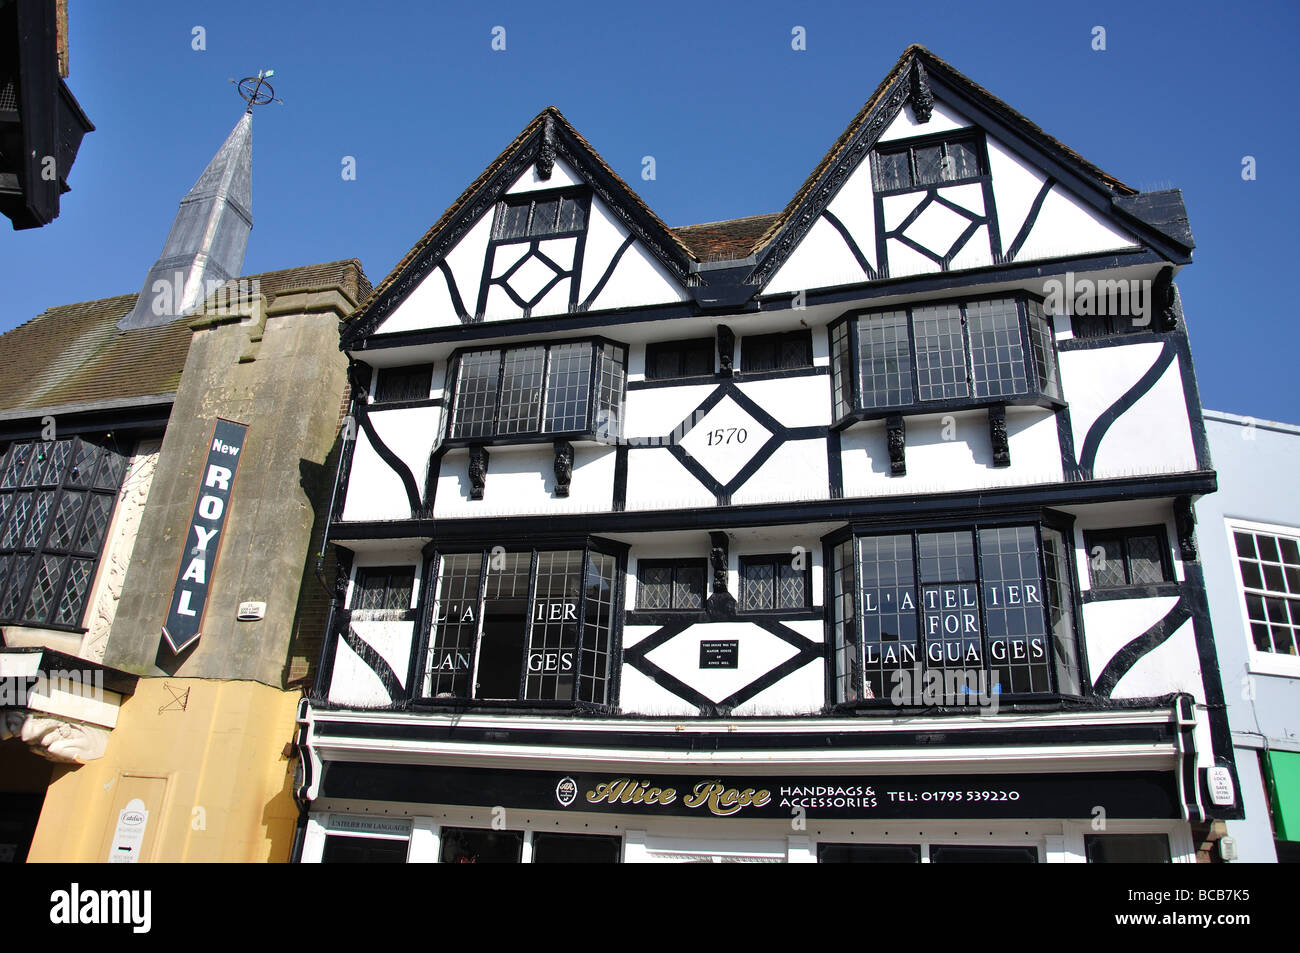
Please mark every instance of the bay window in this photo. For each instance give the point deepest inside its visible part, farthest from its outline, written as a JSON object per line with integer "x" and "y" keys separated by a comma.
{"x": 544, "y": 390}
{"x": 943, "y": 355}
{"x": 533, "y": 625}
{"x": 986, "y": 606}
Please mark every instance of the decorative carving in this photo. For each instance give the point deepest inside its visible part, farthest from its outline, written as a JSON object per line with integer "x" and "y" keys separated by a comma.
{"x": 342, "y": 573}
{"x": 546, "y": 151}
{"x": 1185, "y": 519}
{"x": 359, "y": 380}
{"x": 55, "y": 739}
{"x": 563, "y": 467}
{"x": 726, "y": 350}
{"x": 897, "y": 436}
{"x": 478, "y": 466}
{"x": 1162, "y": 300}
{"x": 998, "y": 436}
{"x": 719, "y": 546}
{"x": 922, "y": 98}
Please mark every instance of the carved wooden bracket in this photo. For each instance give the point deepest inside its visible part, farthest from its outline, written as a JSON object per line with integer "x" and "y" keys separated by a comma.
{"x": 998, "y": 435}
{"x": 478, "y": 467}
{"x": 1185, "y": 519}
{"x": 342, "y": 573}
{"x": 726, "y": 350}
{"x": 922, "y": 98}
{"x": 546, "y": 152}
{"x": 563, "y": 467}
{"x": 721, "y": 604}
{"x": 1162, "y": 300}
{"x": 896, "y": 433}
{"x": 359, "y": 380}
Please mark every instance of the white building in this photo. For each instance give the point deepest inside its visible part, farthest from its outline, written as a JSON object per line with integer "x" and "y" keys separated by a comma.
{"x": 780, "y": 538}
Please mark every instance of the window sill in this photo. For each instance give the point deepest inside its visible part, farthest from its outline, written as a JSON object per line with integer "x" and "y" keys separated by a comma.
{"x": 1274, "y": 663}
{"x": 918, "y": 409}
{"x": 1111, "y": 593}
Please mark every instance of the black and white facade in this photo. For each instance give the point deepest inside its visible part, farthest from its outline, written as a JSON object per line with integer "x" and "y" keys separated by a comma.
{"x": 868, "y": 536}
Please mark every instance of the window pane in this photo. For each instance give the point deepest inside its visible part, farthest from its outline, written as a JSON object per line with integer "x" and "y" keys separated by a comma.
{"x": 544, "y": 217}
{"x": 1127, "y": 848}
{"x": 49, "y": 574}
{"x": 688, "y": 587}
{"x": 848, "y": 668}
{"x": 499, "y": 667}
{"x": 1145, "y": 560}
{"x": 99, "y": 509}
{"x": 553, "y": 641}
{"x": 521, "y": 390}
{"x": 1040, "y": 333}
{"x": 611, "y": 381}
{"x": 791, "y": 591}
{"x": 868, "y": 854}
{"x": 929, "y": 165}
{"x": 884, "y": 360}
{"x": 889, "y": 606}
{"x": 940, "y": 353}
{"x": 568, "y": 387}
{"x": 572, "y": 216}
{"x": 1060, "y": 611}
{"x": 71, "y": 605}
{"x": 597, "y": 627}
{"x": 403, "y": 383}
{"x": 1106, "y": 561}
{"x": 757, "y": 585}
{"x": 654, "y": 588}
{"x": 697, "y": 358}
{"x": 476, "y": 394}
{"x": 841, "y": 370}
{"x": 455, "y": 627}
{"x": 950, "y": 610}
{"x": 363, "y": 850}
{"x": 1013, "y": 609}
{"x": 963, "y": 160}
{"x": 550, "y": 848}
{"x": 997, "y": 353}
{"x": 892, "y": 171}
{"x": 468, "y": 845}
{"x": 513, "y": 221}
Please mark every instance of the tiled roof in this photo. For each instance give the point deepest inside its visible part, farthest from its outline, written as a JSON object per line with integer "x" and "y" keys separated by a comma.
{"x": 724, "y": 241}
{"x": 73, "y": 352}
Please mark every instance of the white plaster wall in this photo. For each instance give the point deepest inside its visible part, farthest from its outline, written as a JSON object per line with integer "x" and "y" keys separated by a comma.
{"x": 905, "y": 125}
{"x": 903, "y": 261}
{"x": 353, "y": 681}
{"x": 1111, "y": 624}
{"x": 375, "y": 492}
{"x": 822, "y": 259}
{"x": 641, "y": 696}
{"x": 1016, "y": 184}
{"x": 1065, "y": 226}
{"x": 1172, "y": 666}
{"x": 895, "y": 208}
{"x": 760, "y": 651}
{"x": 936, "y": 465}
{"x": 429, "y": 303}
{"x": 796, "y": 471}
{"x": 656, "y": 411}
{"x": 411, "y": 433}
{"x": 521, "y": 481}
{"x": 562, "y": 176}
{"x": 803, "y": 691}
{"x": 656, "y": 481}
{"x": 793, "y": 401}
{"x": 392, "y": 640}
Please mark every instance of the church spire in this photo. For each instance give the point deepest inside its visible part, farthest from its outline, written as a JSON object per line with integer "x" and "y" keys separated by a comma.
{"x": 205, "y": 248}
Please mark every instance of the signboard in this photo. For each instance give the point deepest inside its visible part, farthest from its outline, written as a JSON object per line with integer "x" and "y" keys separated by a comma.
{"x": 1131, "y": 794}
{"x": 720, "y": 653}
{"x": 128, "y": 837}
{"x": 370, "y": 826}
{"x": 203, "y": 539}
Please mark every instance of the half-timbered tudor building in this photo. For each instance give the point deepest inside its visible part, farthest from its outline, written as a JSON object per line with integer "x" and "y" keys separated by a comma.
{"x": 858, "y": 531}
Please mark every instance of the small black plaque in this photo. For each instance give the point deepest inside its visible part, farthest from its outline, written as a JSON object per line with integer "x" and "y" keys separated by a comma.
{"x": 724, "y": 653}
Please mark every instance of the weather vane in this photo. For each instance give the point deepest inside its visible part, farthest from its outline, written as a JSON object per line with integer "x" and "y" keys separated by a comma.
{"x": 257, "y": 90}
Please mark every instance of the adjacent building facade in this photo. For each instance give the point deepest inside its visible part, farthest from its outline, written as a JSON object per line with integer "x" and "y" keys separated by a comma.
{"x": 862, "y": 531}
{"x": 1250, "y": 531}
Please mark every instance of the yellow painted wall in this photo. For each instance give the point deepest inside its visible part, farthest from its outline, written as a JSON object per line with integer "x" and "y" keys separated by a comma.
{"x": 210, "y": 767}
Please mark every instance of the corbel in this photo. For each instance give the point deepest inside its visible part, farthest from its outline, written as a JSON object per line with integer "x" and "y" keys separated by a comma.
{"x": 478, "y": 467}
{"x": 1185, "y": 520}
{"x": 721, "y": 604}
{"x": 922, "y": 98}
{"x": 546, "y": 151}
{"x": 563, "y": 467}
{"x": 998, "y": 435}
{"x": 726, "y": 350}
{"x": 896, "y": 434}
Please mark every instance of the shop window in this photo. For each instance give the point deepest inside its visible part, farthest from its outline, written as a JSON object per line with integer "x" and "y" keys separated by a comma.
{"x": 787, "y": 350}
{"x": 981, "y": 352}
{"x": 363, "y": 850}
{"x": 963, "y": 613}
{"x": 670, "y": 584}
{"x": 868, "y": 854}
{"x": 1127, "y": 557}
{"x": 473, "y": 845}
{"x": 774, "y": 582}
{"x": 981, "y": 854}
{"x": 559, "y": 389}
{"x": 535, "y": 625}
{"x": 383, "y": 588}
{"x": 539, "y": 215}
{"x": 56, "y": 501}
{"x": 1127, "y": 848}
{"x": 956, "y": 159}
{"x": 1270, "y": 578}
{"x": 667, "y": 360}
{"x": 552, "y": 848}
{"x": 394, "y": 384}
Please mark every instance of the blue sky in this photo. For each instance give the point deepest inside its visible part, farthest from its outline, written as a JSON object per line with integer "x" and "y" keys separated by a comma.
{"x": 734, "y": 117}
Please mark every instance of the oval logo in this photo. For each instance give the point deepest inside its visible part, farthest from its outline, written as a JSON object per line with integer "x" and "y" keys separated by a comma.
{"x": 566, "y": 792}
{"x": 133, "y": 819}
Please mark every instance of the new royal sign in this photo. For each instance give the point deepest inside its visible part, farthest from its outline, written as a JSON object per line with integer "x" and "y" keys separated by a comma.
{"x": 203, "y": 538}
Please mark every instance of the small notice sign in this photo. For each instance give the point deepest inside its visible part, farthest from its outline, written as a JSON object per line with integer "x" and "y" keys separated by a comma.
{"x": 720, "y": 653}
{"x": 128, "y": 837}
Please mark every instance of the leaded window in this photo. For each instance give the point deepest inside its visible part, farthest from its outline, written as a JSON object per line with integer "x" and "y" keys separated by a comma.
{"x": 670, "y": 584}
{"x": 1134, "y": 556}
{"x": 539, "y": 389}
{"x": 383, "y": 588}
{"x": 1270, "y": 577}
{"x": 533, "y": 625}
{"x": 668, "y": 360}
{"x": 56, "y": 501}
{"x": 774, "y": 582}
{"x": 928, "y": 163}
{"x": 783, "y": 351}
{"x": 984, "y": 351}
{"x": 530, "y": 216}
{"x": 984, "y": 610}
{"x": 411, "y": 382}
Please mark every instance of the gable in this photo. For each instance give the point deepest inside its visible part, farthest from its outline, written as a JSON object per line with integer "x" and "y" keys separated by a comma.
{"x": 547, "y": 230}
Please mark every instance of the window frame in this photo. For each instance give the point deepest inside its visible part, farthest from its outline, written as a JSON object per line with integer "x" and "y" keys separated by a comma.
{"x": 592, "y": 429}
{"x": 1264, "y": 663}
{"x": 41, "y": 547}
{"x": 580, "y": 195}
{"x": 775, "y": 560}
{"x": 675, "y": 564}
{"x": 363, "y": 574}
{"x": 378, "y": 400}
{"x": 944, "y": 139}
{"x": 778, "y": 339}
{"x": 1037, "y": 519}
{"x": 1123, "y": 533}
{"x": 682, "y": 345}
{"x": 1039, "y": 392}
{"x": 423, "y": 643}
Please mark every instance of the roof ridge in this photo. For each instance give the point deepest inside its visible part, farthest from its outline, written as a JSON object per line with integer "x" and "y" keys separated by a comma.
{"x": 725, "y": 221}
